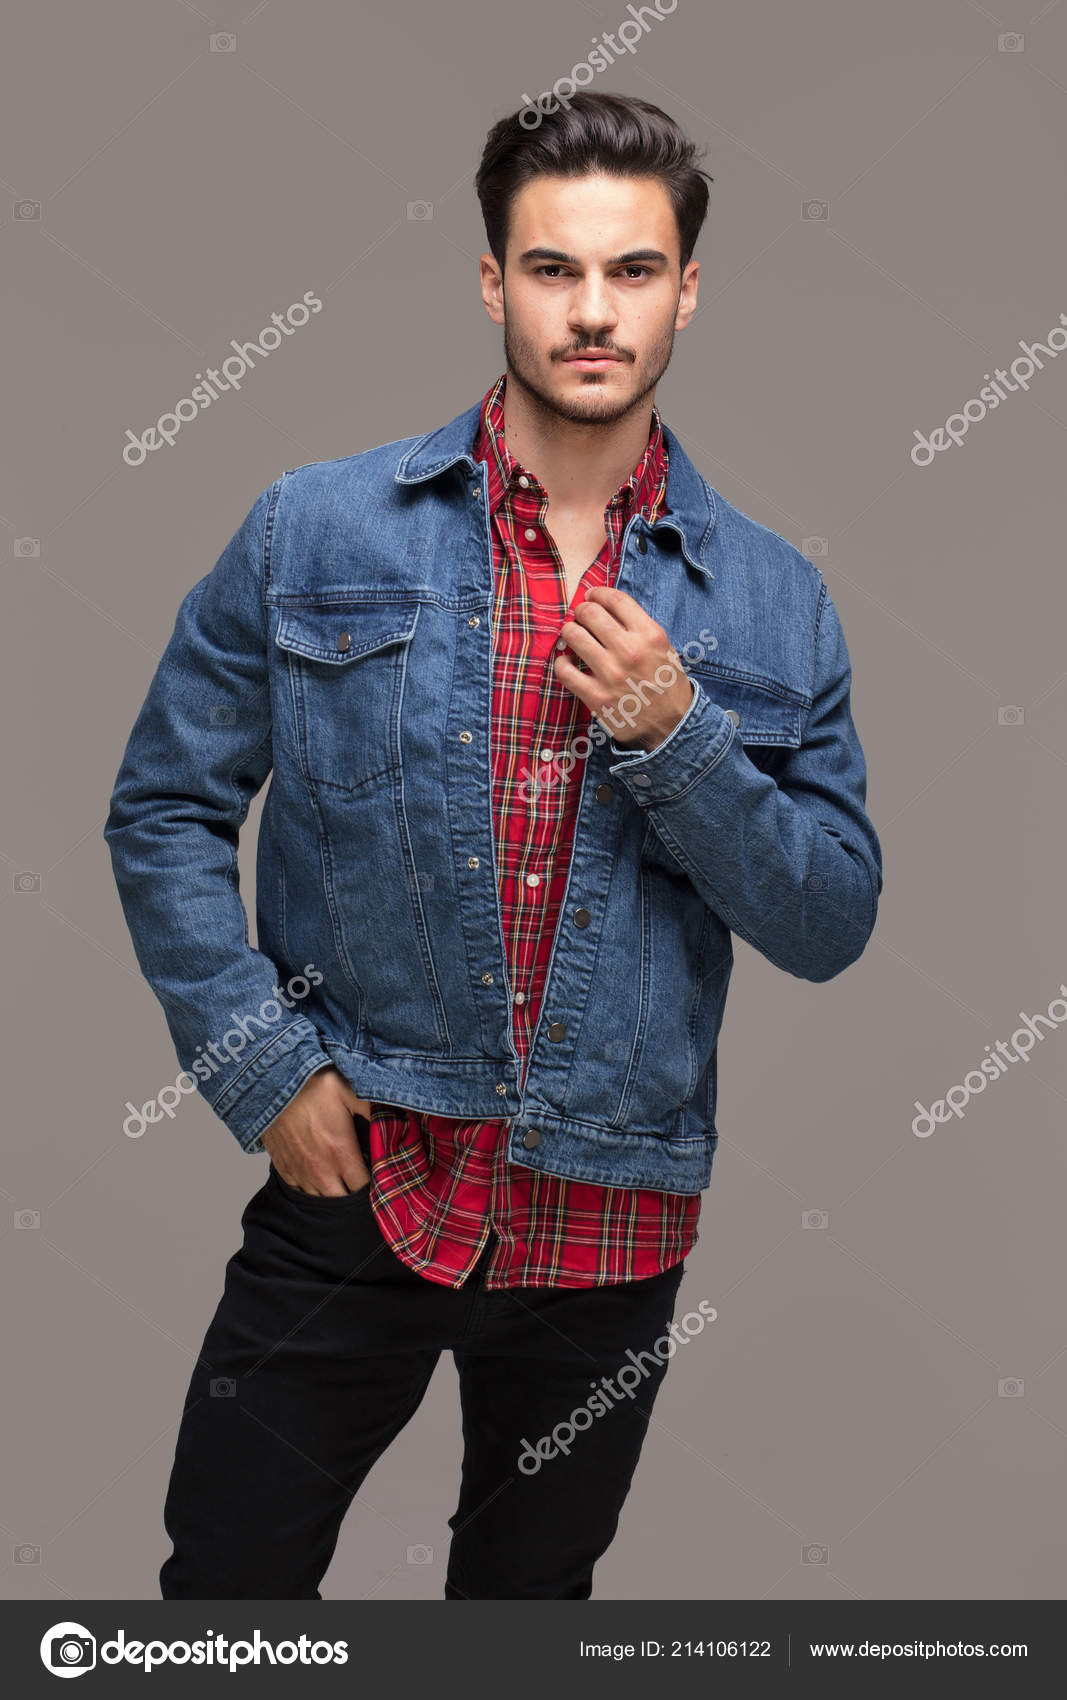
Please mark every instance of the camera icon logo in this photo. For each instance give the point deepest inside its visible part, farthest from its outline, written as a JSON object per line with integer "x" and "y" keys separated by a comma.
{"x": 223, "y": 714}
{"x": 814, "y": 1554}
{"x": 1011, "y": 42}
{"x": 27, "y": 1219}
{"x": 1010, "y": 1387}
{"x": 814, "y": 547}
{"x": 226, "y": 43}
{"x": 815, "y": 209}
{"x": 27, "y": 209}
{"x": 222, "y": 1387}
{"x": 1010, "y": 715}
{"x": 26, "y": 881}
{"x": 68, "y": 1649}
{"x": 420, "y": 1555}
{"x": 420, "y": 209}
{"x": 27, "y": 546}
{"x": 814, "y": 1219}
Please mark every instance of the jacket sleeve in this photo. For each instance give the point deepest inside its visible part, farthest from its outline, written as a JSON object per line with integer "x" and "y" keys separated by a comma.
{"x": 792, "y": 864}
{"x": 199, "y": 751}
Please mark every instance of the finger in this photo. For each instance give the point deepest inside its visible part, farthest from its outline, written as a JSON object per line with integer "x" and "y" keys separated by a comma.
{"x": 582, "y": 685}
{"x": 622, "y": 607}
{"x": 595, "y": 618}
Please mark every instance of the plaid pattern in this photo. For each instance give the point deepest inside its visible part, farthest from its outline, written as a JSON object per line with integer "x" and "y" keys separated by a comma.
{"x": 437, "y": 1184}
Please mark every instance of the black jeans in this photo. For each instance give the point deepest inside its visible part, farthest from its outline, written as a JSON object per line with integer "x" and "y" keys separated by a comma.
{"x": 321, "y": 1348}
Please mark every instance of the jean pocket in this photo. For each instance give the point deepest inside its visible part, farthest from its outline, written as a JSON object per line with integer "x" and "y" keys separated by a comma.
{"x": 316, "y": 1201}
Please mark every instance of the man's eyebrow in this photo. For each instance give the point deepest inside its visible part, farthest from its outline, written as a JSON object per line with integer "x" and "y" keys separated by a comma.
{"x": 629, "y": 259}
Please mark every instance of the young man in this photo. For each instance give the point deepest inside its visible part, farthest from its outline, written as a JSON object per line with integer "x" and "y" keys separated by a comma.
{"x": 547, "y": 719}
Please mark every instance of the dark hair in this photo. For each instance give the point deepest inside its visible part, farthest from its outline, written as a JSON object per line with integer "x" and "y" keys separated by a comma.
{"x": 616, "y": 134}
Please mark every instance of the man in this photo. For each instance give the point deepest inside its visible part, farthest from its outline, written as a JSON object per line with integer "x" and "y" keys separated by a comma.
{"x": 547, "y": 719}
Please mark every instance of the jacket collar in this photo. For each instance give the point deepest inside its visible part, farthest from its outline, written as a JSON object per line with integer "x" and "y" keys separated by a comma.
{"x": 690, "y": 501}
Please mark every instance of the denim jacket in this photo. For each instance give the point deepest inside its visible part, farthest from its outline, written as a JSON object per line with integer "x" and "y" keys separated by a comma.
{"x": 342, "y": 644}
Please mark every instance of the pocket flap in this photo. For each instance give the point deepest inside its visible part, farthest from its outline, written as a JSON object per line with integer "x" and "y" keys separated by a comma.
{"x": 342, "y": 633}
{"x": 762, "y": 714}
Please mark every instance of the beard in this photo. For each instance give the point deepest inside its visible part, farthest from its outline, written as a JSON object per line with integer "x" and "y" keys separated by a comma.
{"x": 597, "y": 403}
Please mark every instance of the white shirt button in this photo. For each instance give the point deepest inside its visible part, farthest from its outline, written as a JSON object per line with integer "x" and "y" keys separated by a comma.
{"x": 524, "y": 481}
{"x": 520, "y": 997}
{"x": 533, "y": 879}
{"x": 529, "y": 534}
{"x": 546, "y": 755}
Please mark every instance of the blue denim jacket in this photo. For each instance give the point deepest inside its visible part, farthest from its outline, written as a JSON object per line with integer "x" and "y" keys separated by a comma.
{"x": 342, "y": 644}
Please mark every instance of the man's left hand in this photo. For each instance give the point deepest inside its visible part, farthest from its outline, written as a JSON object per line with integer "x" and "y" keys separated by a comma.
{"x": 635, "y": 685}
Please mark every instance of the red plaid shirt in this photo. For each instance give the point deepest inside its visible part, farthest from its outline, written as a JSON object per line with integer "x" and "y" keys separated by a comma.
{"x": 439, "y": 1186}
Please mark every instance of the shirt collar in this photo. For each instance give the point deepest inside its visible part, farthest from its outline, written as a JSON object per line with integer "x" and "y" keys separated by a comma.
{"x": 643, "y": 489}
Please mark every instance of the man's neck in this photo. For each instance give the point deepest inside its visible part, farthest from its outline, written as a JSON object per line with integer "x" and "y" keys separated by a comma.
{"x": 580, "y": 466}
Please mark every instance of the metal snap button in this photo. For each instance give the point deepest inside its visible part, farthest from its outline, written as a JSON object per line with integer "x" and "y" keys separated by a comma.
{"x": 344, "y": 640}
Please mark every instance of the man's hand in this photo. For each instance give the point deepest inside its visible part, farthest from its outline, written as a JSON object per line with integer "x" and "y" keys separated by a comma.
{"x": 629, "y": 657}
{"x": 312, "y": 1142}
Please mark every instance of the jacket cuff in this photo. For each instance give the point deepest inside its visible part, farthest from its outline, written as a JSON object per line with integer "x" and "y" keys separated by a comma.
{"x": 268, "y": 1081}
{"x": 694, "y": 746}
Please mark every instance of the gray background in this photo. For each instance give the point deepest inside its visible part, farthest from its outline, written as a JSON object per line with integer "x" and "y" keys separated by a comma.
{"x": 847, "y": 1395}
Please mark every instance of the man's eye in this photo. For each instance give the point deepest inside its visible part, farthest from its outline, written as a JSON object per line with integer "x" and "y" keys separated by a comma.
{"x": 645, "y": 271}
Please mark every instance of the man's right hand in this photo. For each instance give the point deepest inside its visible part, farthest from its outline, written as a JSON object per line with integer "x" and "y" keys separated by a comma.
{"x": 312, "y": 1142}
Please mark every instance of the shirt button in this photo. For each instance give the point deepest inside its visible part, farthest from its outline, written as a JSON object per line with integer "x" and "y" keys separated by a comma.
{"x": 487, "y": 979}
{"x": 533, "y": 879}
{"x": 640, "y": 779}
{"x": 531, "y": 1137}
{"x": 642, "y": 544}
{"x": 473, "y": 621}
{"x": 343, "y": 640}
{"x": 732, "y": 714}
{"x": 524, "y": 481}
{"x": 557, "y": 1031}
{"x": 547, "y": 755}
{"x": 604, "y": 793}
{"x": 582, "y": 917}
{"x": 465, "y": 737}
{"x": 520, "y": 997}
{"x": 529, "y": 534}
{"x": 501, "y": 1089}
{"x": 472, "y": 862}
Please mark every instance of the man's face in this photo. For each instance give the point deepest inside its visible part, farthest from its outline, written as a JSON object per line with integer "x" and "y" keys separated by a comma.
{"x": 591, "y": 264}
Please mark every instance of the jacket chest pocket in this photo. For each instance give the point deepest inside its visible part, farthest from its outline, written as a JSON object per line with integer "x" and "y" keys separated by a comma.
{"x": 767, "y": 716}
{"x": 347, "y": 667}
